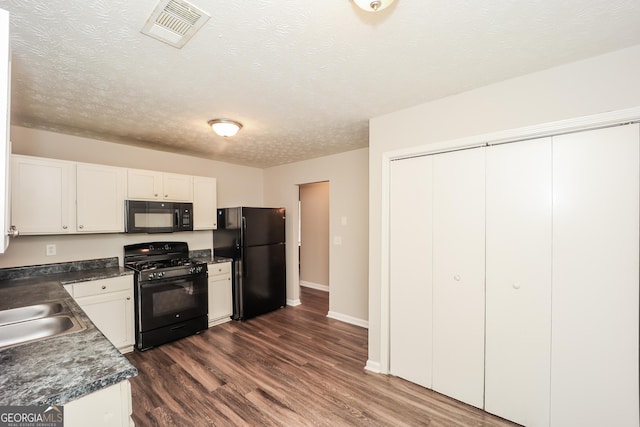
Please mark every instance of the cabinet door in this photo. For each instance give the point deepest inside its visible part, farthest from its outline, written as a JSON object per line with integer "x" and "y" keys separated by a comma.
{"x": 411, "y": 269}
{"x": 178, "y": 188}
{"x": 144, "y": 185}
{"x": 100, "y": 198}
{"x": 43, "y": 195}
{"x": 458, "y": 274}
{"x": 108, "y": 407}
{"x": 220, "y": 304}
{"x": 518, "y": 281}
{"x": 5, "y": 123}
{"x": 594, "y": 364}
{"x": 204, "y": 203}
{"x": 112, "y": 313}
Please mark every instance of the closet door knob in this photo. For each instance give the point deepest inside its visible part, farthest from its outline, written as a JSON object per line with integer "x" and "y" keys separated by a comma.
{"x": 456, "y": 277}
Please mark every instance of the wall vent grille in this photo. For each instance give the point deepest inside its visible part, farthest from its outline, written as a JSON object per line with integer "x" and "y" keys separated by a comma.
{"x": 174, "y": 22}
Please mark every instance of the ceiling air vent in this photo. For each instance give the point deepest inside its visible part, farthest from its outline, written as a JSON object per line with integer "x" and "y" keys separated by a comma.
{"x": 174, "y": 22}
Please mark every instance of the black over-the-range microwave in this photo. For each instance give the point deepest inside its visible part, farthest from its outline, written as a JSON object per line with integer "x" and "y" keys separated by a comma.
{"x": 157, "y": 217}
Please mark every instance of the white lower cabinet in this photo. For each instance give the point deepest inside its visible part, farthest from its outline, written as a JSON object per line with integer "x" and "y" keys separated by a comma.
{"x": 109, "y": 305}
{"x": 220, "y": 299}
{"x": 109, "y": 407}
{"x": 530, "y": 304}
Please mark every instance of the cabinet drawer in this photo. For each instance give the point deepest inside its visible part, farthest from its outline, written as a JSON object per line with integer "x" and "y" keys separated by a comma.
{"x": 103, "y": 286}
{"x": 219, "y": 268}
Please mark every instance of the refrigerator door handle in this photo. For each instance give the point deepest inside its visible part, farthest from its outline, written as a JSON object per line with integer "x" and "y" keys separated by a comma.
{"x": 243, "y": 264}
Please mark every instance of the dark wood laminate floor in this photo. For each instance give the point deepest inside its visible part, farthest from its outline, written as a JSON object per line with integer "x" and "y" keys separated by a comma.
{"x": 292, "y": 367}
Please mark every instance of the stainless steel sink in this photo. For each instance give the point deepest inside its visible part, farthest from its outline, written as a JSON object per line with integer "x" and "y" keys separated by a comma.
{"x": 30, "y": 312}
{"x": 37, "y": 322}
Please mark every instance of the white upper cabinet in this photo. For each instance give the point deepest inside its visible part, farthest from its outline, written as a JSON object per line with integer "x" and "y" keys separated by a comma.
{"x": 100, "y": 198}
{"x": 152, "y": 185}
{"x": 43, "y": 195}
{"x": 5, "y": 122}
{"x": 594, "y": 364}
{"x": 458, "y": 274}
{"x": 144, "y": 185}
{"x": 204, "y": 203}
{"x": 59, "y": 197}
{"x": 518, "y": 281}
{"x": 176, "y": 187}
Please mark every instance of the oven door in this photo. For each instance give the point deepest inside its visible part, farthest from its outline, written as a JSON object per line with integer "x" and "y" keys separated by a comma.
{"x": 168, "y": 301}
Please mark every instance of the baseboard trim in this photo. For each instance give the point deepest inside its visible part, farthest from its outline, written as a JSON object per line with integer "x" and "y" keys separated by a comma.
{"x": 372, "y": 366}
{"x": 312, "y": 285}
{"x": 293, "y": 302}
{"x": 220, "y": 321}
{"x": 348, "y": 319}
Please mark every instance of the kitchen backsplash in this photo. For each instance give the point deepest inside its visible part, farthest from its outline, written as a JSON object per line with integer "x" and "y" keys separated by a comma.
{"x": 62, "y": 267}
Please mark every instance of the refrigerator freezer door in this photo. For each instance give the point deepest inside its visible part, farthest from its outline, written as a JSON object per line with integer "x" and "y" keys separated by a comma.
{"x": 263, "y": 226}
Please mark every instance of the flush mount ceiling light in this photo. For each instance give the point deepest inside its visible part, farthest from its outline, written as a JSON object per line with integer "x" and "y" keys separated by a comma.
{"x": 372, "y": 5}
{"x": 225, "y": 127}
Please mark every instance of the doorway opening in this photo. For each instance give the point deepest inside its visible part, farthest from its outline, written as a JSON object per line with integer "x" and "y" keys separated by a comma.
{"x": 313, "y": 237}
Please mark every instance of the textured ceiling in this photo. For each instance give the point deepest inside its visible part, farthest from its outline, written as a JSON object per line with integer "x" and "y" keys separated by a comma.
{"x": 302, "y": 76}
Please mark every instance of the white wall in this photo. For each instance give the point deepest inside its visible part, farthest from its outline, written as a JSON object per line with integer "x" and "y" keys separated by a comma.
{"x": 348, "y": 199}
{"x": 236, "y": 185}
{"x": 596, "y": 85}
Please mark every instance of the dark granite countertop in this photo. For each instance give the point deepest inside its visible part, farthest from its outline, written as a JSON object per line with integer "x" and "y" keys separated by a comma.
{"x": 204, "y": 255}
{"x": 57, "y": 370}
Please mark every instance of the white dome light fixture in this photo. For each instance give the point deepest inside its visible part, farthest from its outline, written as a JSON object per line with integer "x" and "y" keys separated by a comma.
{"x": 372, "y": 5}
{"x": 225, "y": 127}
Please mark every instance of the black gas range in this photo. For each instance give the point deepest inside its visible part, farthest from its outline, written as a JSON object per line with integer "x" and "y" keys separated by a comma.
{"x": 171, "y": 297}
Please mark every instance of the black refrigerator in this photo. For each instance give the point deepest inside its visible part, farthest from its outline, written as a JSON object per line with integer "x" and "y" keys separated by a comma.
{"x": 255, "y": 239}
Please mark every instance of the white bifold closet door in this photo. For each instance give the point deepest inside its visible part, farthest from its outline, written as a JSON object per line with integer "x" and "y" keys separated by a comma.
{"x": 594, "y": 363}
{"x": 458, "y": 274}
{"x": 411, "y": 267}
{"x": 518, "y": 281}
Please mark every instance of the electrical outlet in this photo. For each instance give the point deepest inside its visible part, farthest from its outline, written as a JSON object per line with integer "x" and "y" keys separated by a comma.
{"x": 51, "y": 249}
